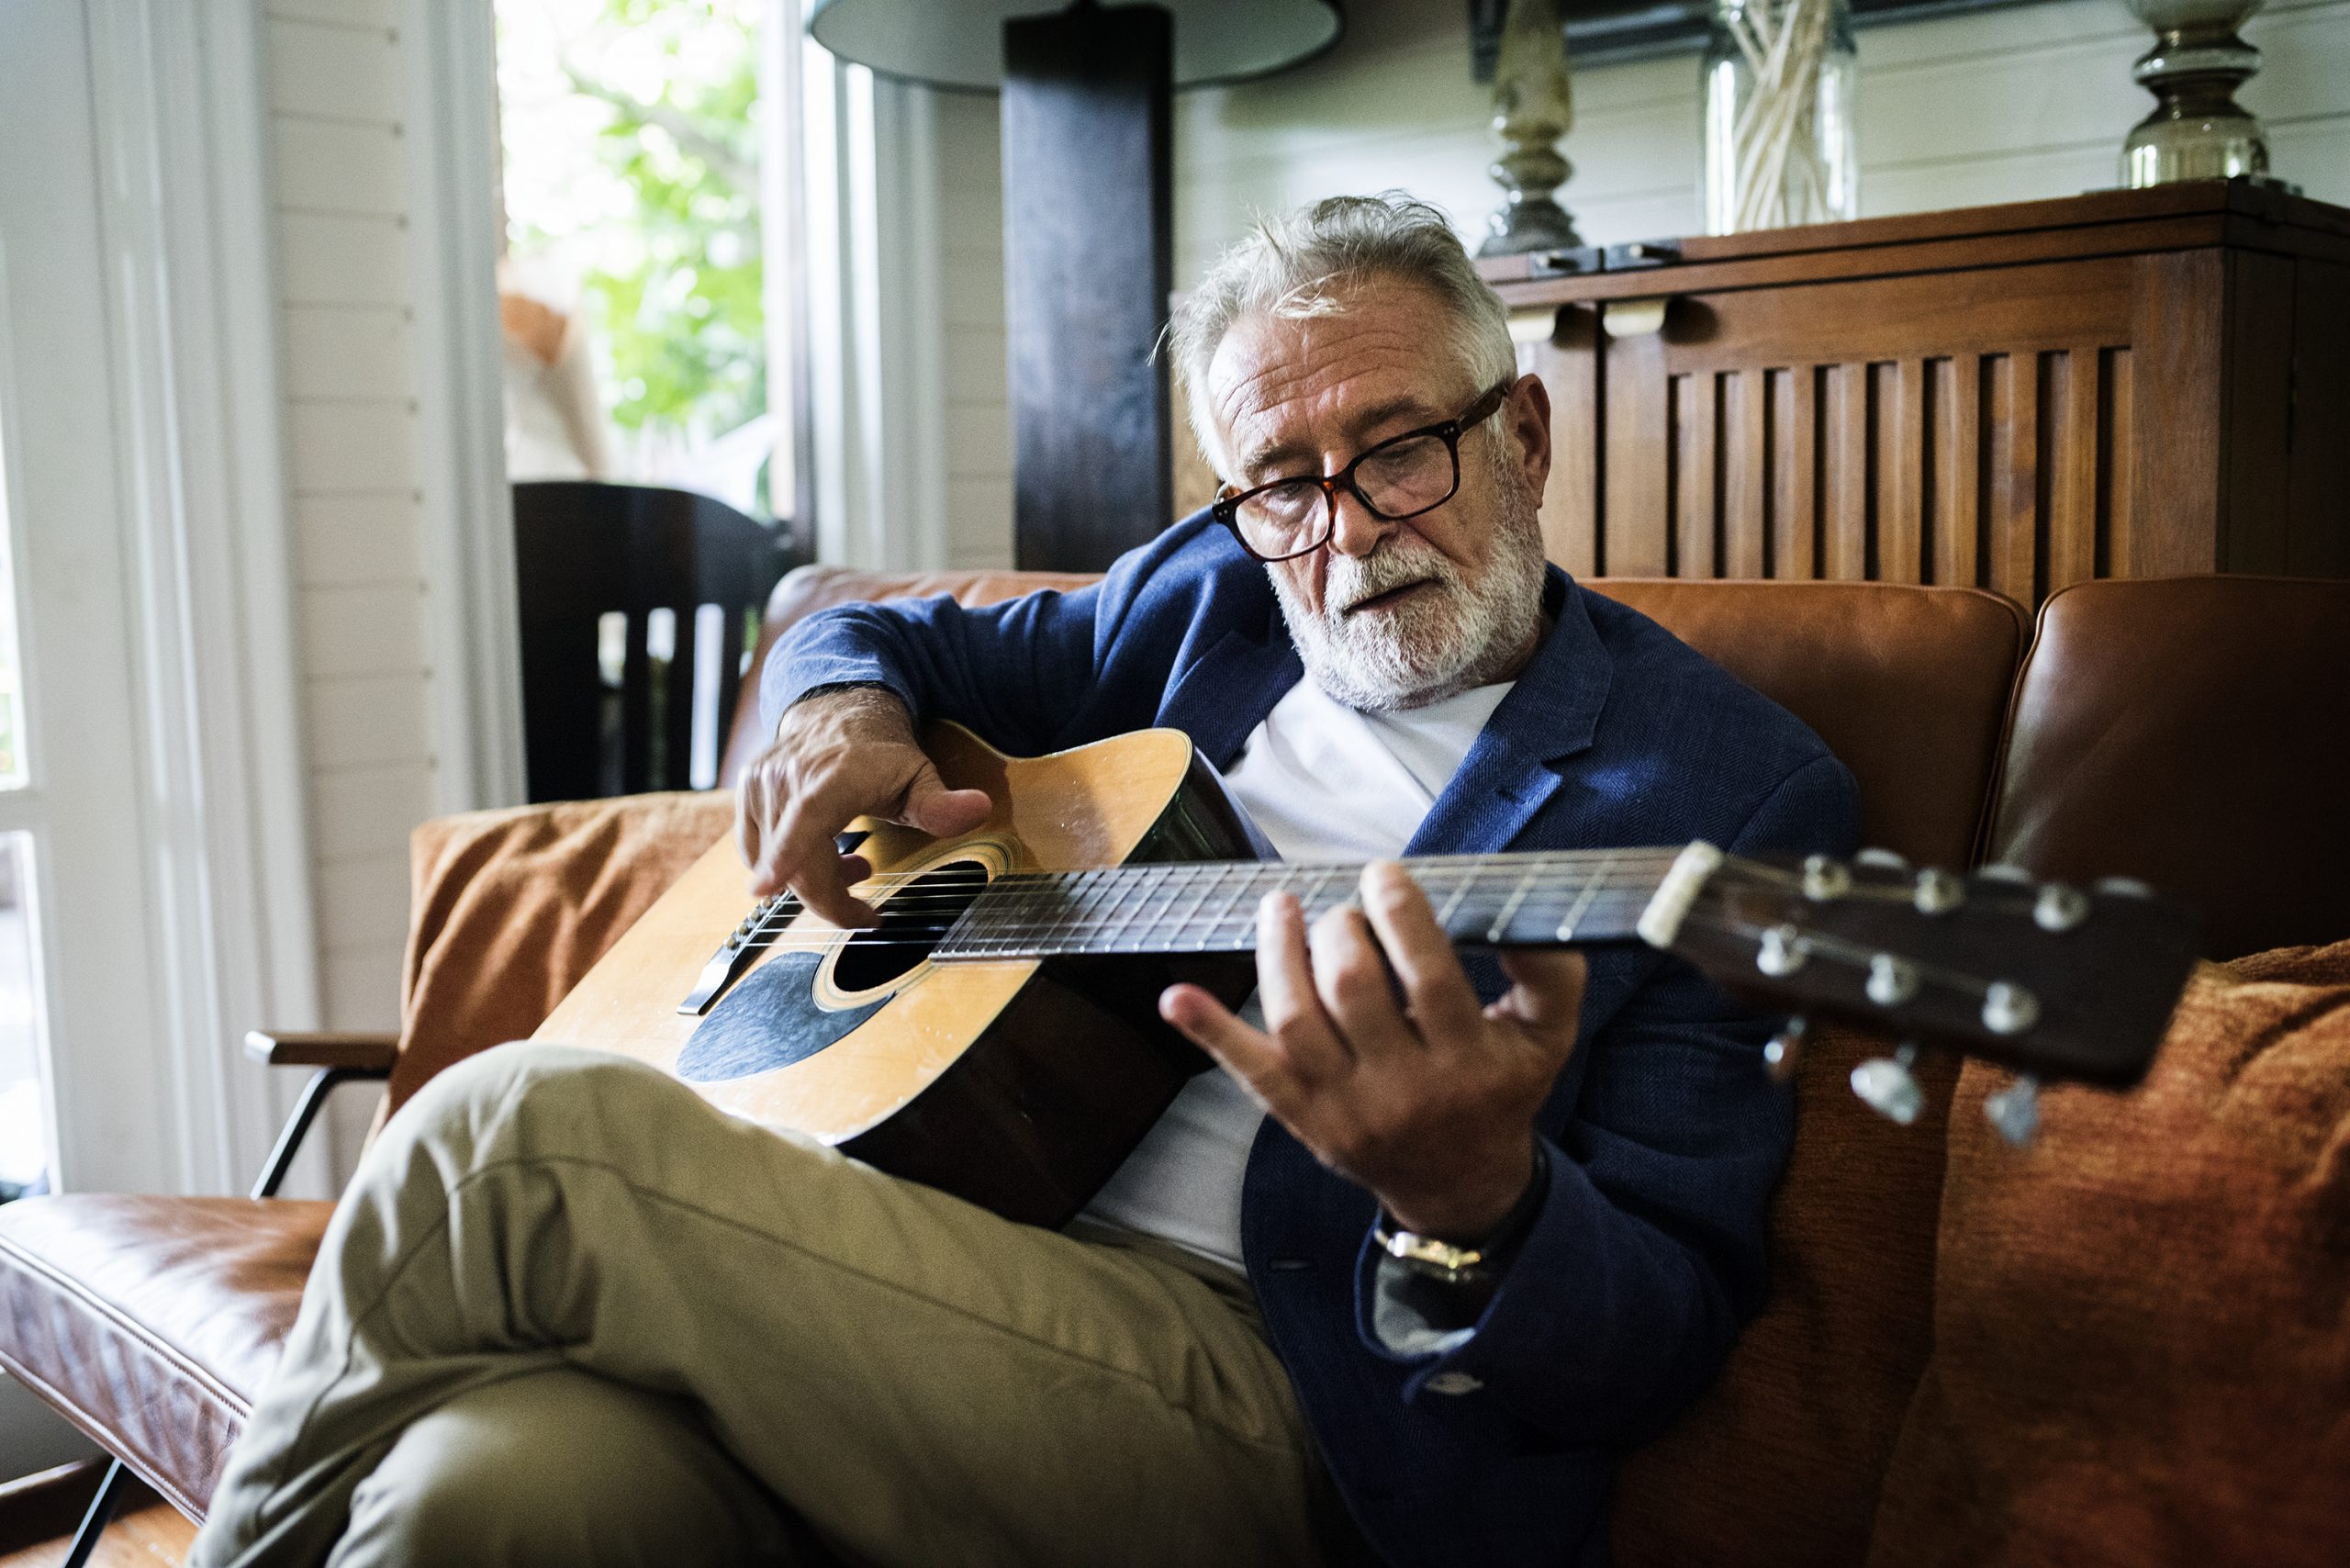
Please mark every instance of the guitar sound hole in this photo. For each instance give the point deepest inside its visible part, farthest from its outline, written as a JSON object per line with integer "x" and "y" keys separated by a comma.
{"x": 913, "y": 920}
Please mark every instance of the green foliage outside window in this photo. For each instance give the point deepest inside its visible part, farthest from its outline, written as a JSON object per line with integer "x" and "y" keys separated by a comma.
{"x": 657, "y": 206}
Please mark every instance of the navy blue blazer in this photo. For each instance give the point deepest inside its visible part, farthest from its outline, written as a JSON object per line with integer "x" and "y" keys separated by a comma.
{"x": 1664, "y": 1136}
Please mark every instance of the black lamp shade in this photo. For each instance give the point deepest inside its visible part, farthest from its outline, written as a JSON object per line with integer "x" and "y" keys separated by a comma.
{"x": 959, "y": 43}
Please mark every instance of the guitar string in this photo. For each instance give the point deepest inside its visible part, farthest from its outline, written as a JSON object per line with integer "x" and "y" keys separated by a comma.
{"x": 1418, "y": 864}
{"x": 1044, "y": 905}
{"x": 1431, "y": 871}
{"x": 1059, "y": 899}
{"x": 1171, "y": 932}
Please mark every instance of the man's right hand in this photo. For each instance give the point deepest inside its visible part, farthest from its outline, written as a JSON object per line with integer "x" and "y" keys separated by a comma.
{"x": 838, "y": 755}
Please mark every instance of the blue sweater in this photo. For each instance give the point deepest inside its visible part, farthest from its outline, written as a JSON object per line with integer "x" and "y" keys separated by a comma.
{"x": 1664, "y": 1135}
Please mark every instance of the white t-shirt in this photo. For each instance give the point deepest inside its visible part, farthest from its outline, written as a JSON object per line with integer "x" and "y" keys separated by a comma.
{"x": 1324, "y": 782}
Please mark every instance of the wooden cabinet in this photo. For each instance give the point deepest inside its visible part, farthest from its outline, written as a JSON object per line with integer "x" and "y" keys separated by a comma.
{"x": 2126, "y": 384}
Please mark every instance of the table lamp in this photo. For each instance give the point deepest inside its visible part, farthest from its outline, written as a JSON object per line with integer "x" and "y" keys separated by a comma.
{"x": 1088, "y": 222}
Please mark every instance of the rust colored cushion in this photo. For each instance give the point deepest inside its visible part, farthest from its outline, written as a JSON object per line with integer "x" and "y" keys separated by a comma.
{"x": 151, "y": 1323}
{"x": 2142, "y": 1330}
{"x": 511, "y": 907}
{"x": 1780, "y": 1460}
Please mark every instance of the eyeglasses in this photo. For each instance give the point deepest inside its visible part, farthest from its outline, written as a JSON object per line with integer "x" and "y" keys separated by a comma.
{"x": 1402, "y": 476}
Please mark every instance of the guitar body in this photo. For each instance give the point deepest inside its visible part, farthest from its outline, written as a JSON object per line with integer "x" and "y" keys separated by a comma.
{"x": 1019, "y": 1084}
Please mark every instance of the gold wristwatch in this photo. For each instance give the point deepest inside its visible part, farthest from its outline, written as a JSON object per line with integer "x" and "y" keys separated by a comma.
{"x": 1453, "y": 1265}
{"x": 1427, "y": 1255}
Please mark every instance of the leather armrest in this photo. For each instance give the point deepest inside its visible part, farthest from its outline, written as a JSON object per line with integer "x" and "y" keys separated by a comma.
{"x": 357, "y": 1052}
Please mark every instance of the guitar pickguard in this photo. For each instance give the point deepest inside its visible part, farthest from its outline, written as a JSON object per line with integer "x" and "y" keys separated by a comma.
{"x": 771, "y": 1019}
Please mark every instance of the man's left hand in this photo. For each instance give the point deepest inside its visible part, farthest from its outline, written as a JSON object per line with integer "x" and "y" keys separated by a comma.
{"x": 1429, "y": 1103}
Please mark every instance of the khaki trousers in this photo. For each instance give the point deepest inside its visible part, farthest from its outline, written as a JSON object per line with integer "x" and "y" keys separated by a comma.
{"x": 568, "y": 1313}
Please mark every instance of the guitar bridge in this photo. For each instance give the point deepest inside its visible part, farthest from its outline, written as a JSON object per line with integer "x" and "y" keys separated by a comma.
{"x": 734, "y": 955}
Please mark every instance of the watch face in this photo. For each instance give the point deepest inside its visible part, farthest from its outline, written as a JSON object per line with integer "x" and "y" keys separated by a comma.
{"x": 1437, "y": 1259}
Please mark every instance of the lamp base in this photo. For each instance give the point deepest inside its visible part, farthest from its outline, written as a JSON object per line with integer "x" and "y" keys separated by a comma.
{"x": 2197, "y": 130}
{"x": 1537, "y": 223}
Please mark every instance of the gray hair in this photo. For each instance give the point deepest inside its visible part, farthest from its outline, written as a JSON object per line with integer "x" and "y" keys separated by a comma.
{"x": 1302, "y": 264}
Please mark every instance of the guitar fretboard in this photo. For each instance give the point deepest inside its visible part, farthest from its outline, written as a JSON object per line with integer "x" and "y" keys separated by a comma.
{"x": 1498, "y": 901}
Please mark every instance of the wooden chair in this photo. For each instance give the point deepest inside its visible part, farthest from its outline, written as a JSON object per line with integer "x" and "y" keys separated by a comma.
{"x": 586, "y": 552}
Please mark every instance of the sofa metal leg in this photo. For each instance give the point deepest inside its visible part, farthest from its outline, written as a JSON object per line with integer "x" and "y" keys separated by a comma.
{"x": 93, "y": 1523}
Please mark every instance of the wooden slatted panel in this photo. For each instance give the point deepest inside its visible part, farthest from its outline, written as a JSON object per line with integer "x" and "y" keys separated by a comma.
{"x": 1995, "y": 470}
{"x": 2012, "y": 488}
{"x": 1635, "y": 524}
{"x": 2072, "y": 518}
{"x": 2115, "y": 462}
{"x": 1806, "y": 509}
{"x": 1957, "y": 556}
{"x": 1845, "y": 413}
{"x": 1906, "y": 428}
{"x": 1693, "y": 408}
{"x": 1901, "y": 471}
{"x": 1746, "y": 475}
{"x": 1568, "y": 363}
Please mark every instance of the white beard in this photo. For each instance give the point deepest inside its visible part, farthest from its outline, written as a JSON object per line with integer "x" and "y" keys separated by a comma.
{"x": 1435, "y": 644}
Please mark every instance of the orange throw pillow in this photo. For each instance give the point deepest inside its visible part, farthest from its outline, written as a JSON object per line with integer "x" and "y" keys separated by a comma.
{"x": 2142, "y": 1326}
{"x": 511, "y": 907}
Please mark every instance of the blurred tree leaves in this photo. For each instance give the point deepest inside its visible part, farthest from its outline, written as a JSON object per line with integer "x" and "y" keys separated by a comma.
{"x": 673, "y": 284}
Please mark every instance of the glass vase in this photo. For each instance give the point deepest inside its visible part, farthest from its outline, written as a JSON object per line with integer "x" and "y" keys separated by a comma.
{"x": 1780, "y": 142}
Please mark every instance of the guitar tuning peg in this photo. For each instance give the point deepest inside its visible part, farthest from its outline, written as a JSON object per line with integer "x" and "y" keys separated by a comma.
{"x": 1782, "y": 1053}
{"x": 1882, "y": 859}
{"x": 1825, "y": 878}
{"x": 1886, "y": 1086}
{"x": 2014, "y": 1112}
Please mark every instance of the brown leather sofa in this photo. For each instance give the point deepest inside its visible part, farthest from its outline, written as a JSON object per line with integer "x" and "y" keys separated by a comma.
{"x": 2162, "y": 729}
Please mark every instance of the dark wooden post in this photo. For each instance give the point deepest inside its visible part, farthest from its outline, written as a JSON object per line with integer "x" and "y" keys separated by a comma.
{"x": 1087, "y": 219}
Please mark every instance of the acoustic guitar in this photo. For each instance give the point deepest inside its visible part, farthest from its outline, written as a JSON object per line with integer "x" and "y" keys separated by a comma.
{"x": 998, "y": 1036}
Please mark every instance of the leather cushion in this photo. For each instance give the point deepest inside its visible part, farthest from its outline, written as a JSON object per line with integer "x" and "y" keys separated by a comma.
{"x": 2141, "y": 1325}
{"x": 151, "y": 1323}
{"x": 1908, "y": 686}
{"x": 2192, "y": 733}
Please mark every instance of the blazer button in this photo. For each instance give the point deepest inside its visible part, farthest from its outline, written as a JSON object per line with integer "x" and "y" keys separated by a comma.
{"x": 1453, "y": 1382}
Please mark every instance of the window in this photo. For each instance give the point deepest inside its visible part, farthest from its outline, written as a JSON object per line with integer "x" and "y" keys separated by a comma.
{"x": 641, "y": 314}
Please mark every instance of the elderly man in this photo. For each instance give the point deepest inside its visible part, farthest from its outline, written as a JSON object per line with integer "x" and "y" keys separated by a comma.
{"x": 1396, "y": 1280}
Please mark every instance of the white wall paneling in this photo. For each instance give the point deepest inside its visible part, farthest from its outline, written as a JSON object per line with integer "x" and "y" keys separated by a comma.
{"x": 336, "y": 68}
{"x": 337, "y": 167}
{"x": 343, "y": 183}
{"x": 979, "y": 409}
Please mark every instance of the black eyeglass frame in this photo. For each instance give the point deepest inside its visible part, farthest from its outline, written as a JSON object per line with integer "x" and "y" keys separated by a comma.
{"x": 1225, "y": 508}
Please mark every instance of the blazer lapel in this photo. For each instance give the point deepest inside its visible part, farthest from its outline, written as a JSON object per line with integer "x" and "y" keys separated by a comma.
{"x": 1222, "y": 699}
{"x": 1549, "y": 715}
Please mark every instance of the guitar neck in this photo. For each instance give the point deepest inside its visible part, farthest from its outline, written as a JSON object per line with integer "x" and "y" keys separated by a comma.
{"x": 1572, "y": 898}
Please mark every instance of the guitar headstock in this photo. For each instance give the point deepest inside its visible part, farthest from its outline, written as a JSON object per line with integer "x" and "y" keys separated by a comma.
{"x": 2047, "y": 978}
